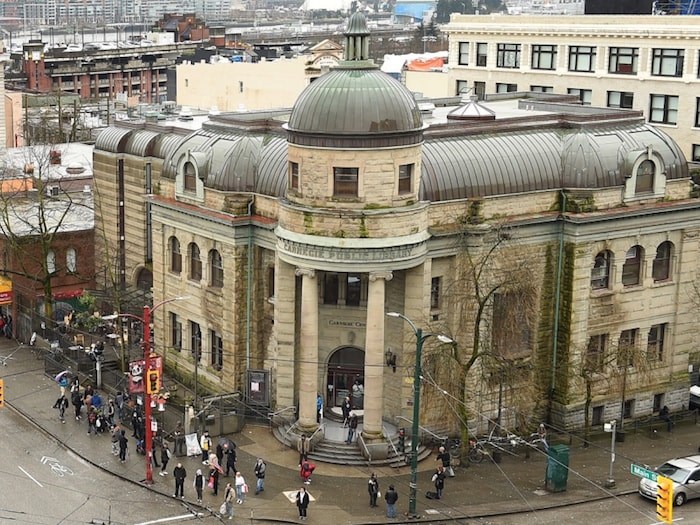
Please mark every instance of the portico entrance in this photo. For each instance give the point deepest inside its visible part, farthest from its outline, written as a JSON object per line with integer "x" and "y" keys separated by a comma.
{"x": 345, "y": 366}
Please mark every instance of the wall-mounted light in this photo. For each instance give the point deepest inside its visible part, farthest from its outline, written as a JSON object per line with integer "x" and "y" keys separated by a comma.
{"x": 390, "y": 358}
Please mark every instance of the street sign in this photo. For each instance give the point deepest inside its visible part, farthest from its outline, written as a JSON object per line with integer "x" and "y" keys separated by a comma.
{"x": 642, "y": 472}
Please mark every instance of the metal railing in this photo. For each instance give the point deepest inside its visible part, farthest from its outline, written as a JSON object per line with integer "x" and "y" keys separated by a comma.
{"x": 425, "y": 430}
{"x": 391, "y": 442}
{"x": 281, "y": 411}
{"x": 322, "y": 426}
{"x": 362, "y": 443}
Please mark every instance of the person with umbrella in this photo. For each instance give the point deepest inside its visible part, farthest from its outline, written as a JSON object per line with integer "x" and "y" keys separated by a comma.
{"x": 62, "y": 380}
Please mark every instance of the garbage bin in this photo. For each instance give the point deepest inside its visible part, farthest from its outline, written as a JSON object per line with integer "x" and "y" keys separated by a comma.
{"x": 557, "y": 468}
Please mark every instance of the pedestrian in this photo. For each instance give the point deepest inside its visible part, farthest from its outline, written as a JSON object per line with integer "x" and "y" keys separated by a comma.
{"x": 214, "y": 473}
{"x": 198, "y": 484}
{"x": 259, "y": 470}
{"x": 165, "y": 455}
{"x": 88, "y": 392}
{"x": 220, "y": 453}
{"x": 664, "y": 415}
{"x": 97, "y": 401}
{"x": 119, "y": 405}
{"x": 123, "y": 443}
{"x": 111, "y": 411}
{"x": 352, "y": 427}
{"x": 75, "y": 385}
{"x": 227, "y": 506}
{"x": 179, "y": 473}
{"x": 92, "y": 421}
{"x": 307, "y": 468}
{"x": 241, "y": 488}
{"x": 77, "y": 403}
{"x": 358, "y": 394}
{"x": 205, "y": 444}
{"x": 346, "y": 407}
{"x": 303, "y": 446}
{"x": 302, "y": 499}
{"x": 179, "y": 437}
{"x": 373, "y": 489}
{"x": 445, "y": 458}
{"x": 439, "y": 481}
{"x": 319, "y": 407}
{"x": 63, "y": 383}
{"x": 230, "y": 453}
{"x": 391, "y": 497}
{"x": 116, "y": 432}
{"x": 61, "y": 404}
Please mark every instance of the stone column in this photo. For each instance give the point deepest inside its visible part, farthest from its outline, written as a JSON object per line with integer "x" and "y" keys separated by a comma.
{"x": 308, "y": 354}
{"x": 374, "y": 356}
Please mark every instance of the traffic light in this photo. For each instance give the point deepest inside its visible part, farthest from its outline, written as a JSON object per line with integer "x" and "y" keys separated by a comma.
{"x": 664, "y": 499}
{"x": 2, "y": 393}
{"x": 153, "y": 382}
{"x": 402, "y": 441}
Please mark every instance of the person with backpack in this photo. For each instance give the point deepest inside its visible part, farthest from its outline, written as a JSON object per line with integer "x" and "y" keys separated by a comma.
{"x": 205, "y": 445}
{"x": 77, "y": 401}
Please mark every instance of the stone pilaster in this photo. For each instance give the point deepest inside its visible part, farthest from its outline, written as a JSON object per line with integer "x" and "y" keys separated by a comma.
{"x": 283, "y": 353}
{"x": 308, "y": 340}
{"x": 374, "y": 356}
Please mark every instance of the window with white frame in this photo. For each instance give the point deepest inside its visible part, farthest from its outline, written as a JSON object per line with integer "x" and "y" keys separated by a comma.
{"x": 620, "y": 99}
{"x": 600, "y": 274}
{"x": 667, "y": 62}
{"x": 623, "y": 60}
{"x": 582, "y": 58}
{"x": 584, "y": 95}
{"x": 632, "y": 267}
{"x": 71, "y": 260}
{"x": 463, "y": 59}
{"x": 655, "y": 342}
{"x": 544, "y": 57}
{"x": 508, "y": 56}
{"x": 661, "y": 267}
{"x": 663, "y": 109}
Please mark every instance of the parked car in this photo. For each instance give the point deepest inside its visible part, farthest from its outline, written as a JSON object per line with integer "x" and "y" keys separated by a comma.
{"x": 694, "y": 402}
{"x": 685, "y": 474}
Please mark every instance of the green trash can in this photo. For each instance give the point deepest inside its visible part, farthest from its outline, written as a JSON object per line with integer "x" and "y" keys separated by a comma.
{"x": 557, "y": 468}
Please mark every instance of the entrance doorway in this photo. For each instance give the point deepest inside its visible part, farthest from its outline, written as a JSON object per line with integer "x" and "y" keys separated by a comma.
{"x": 345, "y": 366}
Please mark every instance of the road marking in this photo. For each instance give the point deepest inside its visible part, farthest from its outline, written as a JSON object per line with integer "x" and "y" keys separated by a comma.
{"x": 174, "y": 518}
{"x": 30, "y": 477}
{"x": 46, "y": 459}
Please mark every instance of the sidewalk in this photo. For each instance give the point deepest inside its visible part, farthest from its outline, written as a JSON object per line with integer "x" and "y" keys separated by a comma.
{"x": 340, "y": 493}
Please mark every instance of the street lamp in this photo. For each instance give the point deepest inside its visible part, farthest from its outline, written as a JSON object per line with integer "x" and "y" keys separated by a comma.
{"x": 146, "y": 322}
{"x": 420, "y": 339}
{"x": 611, "y": 427}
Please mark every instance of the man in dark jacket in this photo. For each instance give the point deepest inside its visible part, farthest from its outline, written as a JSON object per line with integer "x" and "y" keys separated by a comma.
{"x": 260, "y": 468}
{"x": 230, "y": 453}
{"x": 179, "y": 473}
{"x": 391, "y": 497}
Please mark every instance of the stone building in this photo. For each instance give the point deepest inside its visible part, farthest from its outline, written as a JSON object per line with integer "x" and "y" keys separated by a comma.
{"x": 544, "y": 242}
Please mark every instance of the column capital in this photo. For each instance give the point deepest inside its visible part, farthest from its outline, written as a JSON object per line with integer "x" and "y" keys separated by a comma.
{"x": 305, "y": 272}
{"x": 383, "y": 274}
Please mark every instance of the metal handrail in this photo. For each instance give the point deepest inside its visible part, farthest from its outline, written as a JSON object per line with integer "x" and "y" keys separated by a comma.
{"x": 361, "y": 441}
{"x": 291, "y": 427}
{"x": 391, "y": 441}
{"x": 423, "y": 429}
{"x": 282, "y": 410}
{"x": 320, "y": 427}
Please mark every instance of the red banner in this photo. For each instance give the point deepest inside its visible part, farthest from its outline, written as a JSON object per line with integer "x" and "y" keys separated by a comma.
{"x": 137, "y": 373}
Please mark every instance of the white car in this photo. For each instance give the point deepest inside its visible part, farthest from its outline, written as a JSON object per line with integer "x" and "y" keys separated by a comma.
{"x": 685, "y": 474}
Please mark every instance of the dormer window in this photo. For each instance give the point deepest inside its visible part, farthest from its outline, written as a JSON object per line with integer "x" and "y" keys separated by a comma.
{"x": 345, "y": 182}
{"x": 645, "y": 177}
{"x": 190, "y": 173}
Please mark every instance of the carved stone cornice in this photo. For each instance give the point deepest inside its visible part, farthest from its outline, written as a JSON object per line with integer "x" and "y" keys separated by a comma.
{"x": 386, "y": 275}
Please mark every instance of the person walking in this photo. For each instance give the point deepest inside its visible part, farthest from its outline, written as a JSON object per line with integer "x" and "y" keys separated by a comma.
{"x": 111, "y": 411}
{"x": 61, "y": 404}
{"x": 230, "y": 453}
{"x": 346, "y": 407}
{"x": 439, "y": 481}
{"x": 319, "y": 407}
{"x": 302, "y": 499}
{"x": 664, "y": 414}
{"x": 119, "y": 405}
{"x": 92, "y": 421}
{"x": 77, "y": 401}
{"x": 116, "y": 433}
{"x": 123, "y": 444}
{"x": 241, "y": 488}
{"x": 259, "y": 470}
{"x": 179, "y": 437}
{"x": 205, "y": 445}
{"x": 227, "y": 506}
{"x": 391, "y": 497}
{"x": 303, "y": 447}
{"x": 179, "y": 473}
{"x": 198, "y": 484}
{"x": 373, "y": 489}
{"x": 352, "y": 428}
{"x": 214, "y": 473}
{"x": 165, "y": 455}
{"x": 444, "y": 457}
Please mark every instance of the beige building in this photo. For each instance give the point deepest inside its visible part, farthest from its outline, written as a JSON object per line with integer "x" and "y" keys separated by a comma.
{"x": 556, "y": 244}
{"x": 242, "y": 86}
{"x": 646, "y": 63}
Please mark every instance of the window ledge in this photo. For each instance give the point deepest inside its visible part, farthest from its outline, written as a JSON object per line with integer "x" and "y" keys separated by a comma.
{"x": 661, "y": 284}
{"x": 601, "y": 292}
{"x": 632, "y": 288}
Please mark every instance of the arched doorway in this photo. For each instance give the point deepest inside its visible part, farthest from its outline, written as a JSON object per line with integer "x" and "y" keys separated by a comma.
{"x": 345, "y": 366}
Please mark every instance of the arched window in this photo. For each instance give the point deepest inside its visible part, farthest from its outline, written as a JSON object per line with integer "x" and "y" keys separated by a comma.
{"x": 645, "y": 177}
{"x": 175, "y": 255}
{"x": 661, "y": 269}
{"x": 71, "y": 260}
{"x": 195, "y": 262}
{"x": 600, "y": 275}
{"x": 631, "y": 269}
{"x": 216, "y": 269}
{"x": 190, "y": 176}
{"x": 51, "y": 261}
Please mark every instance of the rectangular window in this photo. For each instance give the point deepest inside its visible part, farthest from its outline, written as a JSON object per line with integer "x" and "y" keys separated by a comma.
{"x": 480, "y": 90}
{"x": 175, "y": 332}
{"x": 435, "y": 284}
{"x": 627, "y": 348}
{"x": 623, "y": 60}
{"x": 508, "y": 56}
{"x": 405, "y": 178}
{"x": 542, "y": 89}
{"x": 294, "y": 175}
{"x": 190, "y": 176}
{"x": 584, "y": 95}
{"x": 628, "y": 410}
{"x": 620, "y": 99}
{"x": 595, "y": 353}
{"x": 330, "y": 288}
{"x": 195, "y": 341}
{"x": 216, "y": 350}
{"x": 345, "y": 181}
{"x": 663, "y": 109}
{"x": 463, "y": 54}
{"x": 482, "y": 53}
{"x": 270, "y": 282}
{"x": 462, "y": 88}
{"x": 697, "y": 112}
{"x": 695, "y": 154}
{"x": 658, "y": 402}
{"x": 582, "y": 58}
{"x": 544, "y": 57}
{"x": 597, "y": 418}
{"x": 655, "y": 342}
{"x": 354, "y": 289}
{"x": 506, "y": 88}
{"x": 667, "y": 62}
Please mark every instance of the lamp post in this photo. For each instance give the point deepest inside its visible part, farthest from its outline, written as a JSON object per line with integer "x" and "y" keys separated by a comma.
{"x": 611, "y": 427}
{"x": 146, "y": 322}
{"x": 420, "y": 339}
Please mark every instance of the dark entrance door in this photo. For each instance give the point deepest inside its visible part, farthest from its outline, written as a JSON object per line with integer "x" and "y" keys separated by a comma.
{"x": 345, "y": 366}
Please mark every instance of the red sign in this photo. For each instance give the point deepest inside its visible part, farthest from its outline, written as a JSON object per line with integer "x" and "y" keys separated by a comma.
{"x": 6, "y": 297}
{"x": 137, "y": 373}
